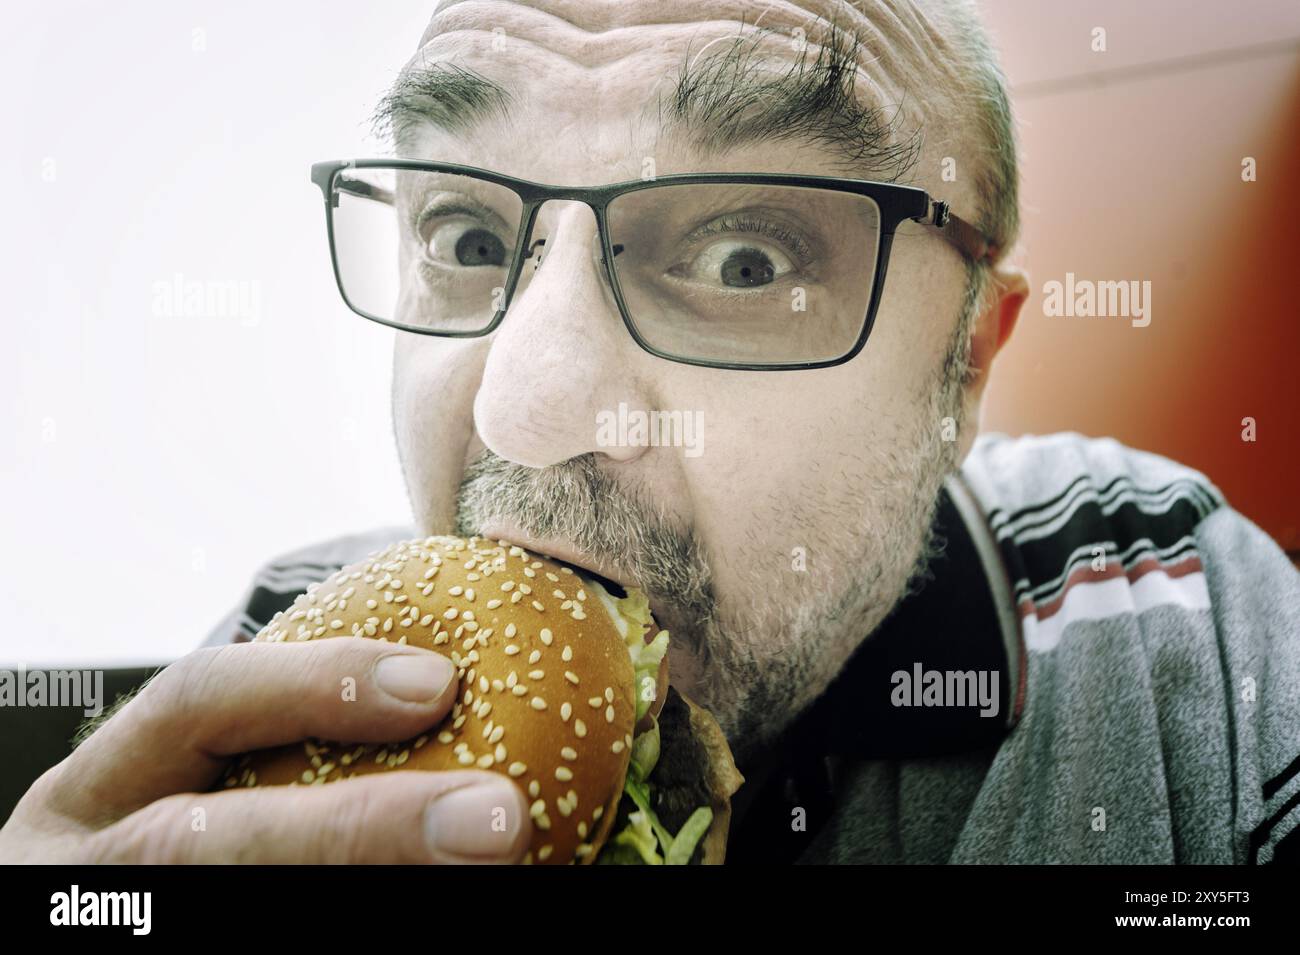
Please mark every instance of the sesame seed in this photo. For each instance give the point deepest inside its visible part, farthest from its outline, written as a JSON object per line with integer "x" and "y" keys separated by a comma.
{"x": 544, "y": 852}
{"x": 511, "y": 649}
{"x": 519, "y": 690}
{"x": 571, "y": 677}
{"x": 493, "y": 603}
{"x": 499, "y": 754}
{"x": 534, "y": 656}
{"x": 595, "y": 702}
{"x": 456, "y": 591}
{"x": 582, "y": 830}
{"x": 609, "y": 694}
{"x": 485, "y": 761}
{"x": 536, "y": 674}
{"x": 546, "y": 636}
{"x": 534, "y": 788}
{"x": 483, "y": 684}
{"x": 579, "y": 728}
{"x": 516, "y": 769}
{"x": 609, "y": 713}
{"x": 617, "y": 746}
{"x": 511, "y": 630}
{"x": 537, "y": 605}
{"x": 445, "y": 736}
{"x": 597, "y": 813}
{"x": 512, "y": 679}
{"x": 487, "y": 708}
{"x": 537, "y": 703}
{"x": 466, "y": 759}
{"x": 566, "y": 710}
{"x": 308, "y": 776}
{"x": 537, "y": 808}
{"x": 563, "y": 773}
{"x": 543, "y": 822}
{"x": 497, "y": 733}
{"x": 568, "y": 752}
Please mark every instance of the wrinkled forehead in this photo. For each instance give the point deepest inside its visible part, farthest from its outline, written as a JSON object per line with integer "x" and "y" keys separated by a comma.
{"x": 605, "y": 71}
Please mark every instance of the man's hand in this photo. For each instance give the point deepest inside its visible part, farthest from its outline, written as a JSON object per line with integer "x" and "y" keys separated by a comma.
{"x": 136, "y": 790}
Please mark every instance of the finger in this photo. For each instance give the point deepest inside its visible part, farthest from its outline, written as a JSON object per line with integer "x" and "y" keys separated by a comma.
{"x": 178, "y": 734}
{"x": 462, "y": 816}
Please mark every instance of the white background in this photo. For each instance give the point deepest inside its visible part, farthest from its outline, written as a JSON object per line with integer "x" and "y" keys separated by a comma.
{"x": 152, "y": 461}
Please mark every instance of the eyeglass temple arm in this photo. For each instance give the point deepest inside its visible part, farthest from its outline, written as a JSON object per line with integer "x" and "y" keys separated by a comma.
{"x": 968, "y": 240}
{"x": 361, "y": 189}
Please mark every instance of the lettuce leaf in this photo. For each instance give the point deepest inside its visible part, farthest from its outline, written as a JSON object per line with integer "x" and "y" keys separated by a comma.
{"x": 644, "y": 840}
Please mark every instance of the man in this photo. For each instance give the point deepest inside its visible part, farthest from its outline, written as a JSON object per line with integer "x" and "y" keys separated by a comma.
{"x": 923, "y": 647}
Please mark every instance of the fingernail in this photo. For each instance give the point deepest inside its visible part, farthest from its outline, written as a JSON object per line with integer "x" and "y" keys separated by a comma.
{"x": 478, "y": 823}
{"x": 414, "y": 677}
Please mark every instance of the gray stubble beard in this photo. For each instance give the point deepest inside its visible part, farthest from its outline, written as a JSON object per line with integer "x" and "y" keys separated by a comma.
{"x": 755, "y": 668}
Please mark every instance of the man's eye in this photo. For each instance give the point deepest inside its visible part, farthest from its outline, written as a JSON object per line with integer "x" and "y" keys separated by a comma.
{"x": 461, "y": 243}
{"x": 735, "y": 263}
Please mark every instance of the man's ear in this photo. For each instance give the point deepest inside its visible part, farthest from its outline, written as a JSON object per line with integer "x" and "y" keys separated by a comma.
{"x": 993, "y": 327}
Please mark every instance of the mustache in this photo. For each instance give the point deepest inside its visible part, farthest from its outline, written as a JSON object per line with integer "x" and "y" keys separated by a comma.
{"x": 578, "y": 502}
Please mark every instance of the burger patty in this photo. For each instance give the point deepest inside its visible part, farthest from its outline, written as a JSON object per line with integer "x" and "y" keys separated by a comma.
{"x": 680, "y": 780}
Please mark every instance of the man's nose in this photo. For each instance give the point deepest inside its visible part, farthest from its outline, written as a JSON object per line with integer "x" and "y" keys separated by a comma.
{"x": 561, "y": 355}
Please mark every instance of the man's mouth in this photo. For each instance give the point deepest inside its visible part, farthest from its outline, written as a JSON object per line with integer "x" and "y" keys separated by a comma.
{"x": 611, "y": 578}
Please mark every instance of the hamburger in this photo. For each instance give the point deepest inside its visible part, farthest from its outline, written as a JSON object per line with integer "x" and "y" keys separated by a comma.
{"x": 563, "y": 689}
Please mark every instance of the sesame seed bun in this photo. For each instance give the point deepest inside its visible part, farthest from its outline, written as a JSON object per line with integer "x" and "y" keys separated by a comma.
{"x": 547, "y": 692}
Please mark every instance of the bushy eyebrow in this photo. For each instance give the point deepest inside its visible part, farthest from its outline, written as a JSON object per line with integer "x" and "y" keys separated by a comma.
{"x": 733, "y": 96}
{"x": 447, "y": 96}
{"x": 729, "y": 97}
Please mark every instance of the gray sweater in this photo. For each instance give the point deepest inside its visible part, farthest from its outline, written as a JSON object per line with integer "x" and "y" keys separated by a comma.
{"x": 1144, "y": 640}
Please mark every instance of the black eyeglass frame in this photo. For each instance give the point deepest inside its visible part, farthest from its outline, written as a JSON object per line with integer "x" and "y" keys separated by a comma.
{"x": 896, "y": 203}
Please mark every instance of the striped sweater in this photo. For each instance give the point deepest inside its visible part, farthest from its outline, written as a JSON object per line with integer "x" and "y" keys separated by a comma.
{"x": 1142, "y": 641}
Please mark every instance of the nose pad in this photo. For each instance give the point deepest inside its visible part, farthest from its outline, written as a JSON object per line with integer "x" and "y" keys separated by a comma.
{"x": 553, "y": 236}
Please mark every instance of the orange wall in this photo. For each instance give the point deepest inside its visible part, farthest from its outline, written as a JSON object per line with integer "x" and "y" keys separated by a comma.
{"x": 1131, "y": 169}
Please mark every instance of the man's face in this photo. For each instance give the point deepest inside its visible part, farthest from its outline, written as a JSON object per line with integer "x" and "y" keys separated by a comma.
{"x": 773, "y": 551}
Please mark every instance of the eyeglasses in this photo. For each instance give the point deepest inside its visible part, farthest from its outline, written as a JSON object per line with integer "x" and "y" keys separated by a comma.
{"x": 763, "y": 272}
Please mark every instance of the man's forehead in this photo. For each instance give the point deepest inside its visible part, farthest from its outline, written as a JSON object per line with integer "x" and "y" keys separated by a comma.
{"x": 601, "y": 76}
{"x": 601, "y": 16}
{"x": 902, "y": 41}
